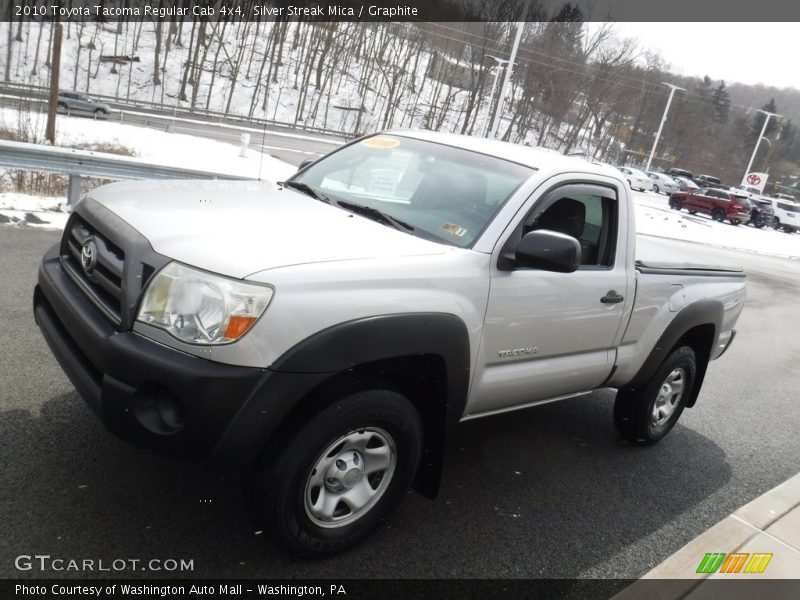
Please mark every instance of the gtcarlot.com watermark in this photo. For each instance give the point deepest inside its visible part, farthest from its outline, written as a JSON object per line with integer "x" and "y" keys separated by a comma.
{"x": 48, "y": 563}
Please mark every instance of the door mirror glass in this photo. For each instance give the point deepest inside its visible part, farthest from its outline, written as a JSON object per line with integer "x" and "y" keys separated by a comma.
{"x": 549, "y": 251}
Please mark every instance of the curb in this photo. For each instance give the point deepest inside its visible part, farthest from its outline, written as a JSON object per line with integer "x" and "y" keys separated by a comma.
{"x": 770, "y": 523}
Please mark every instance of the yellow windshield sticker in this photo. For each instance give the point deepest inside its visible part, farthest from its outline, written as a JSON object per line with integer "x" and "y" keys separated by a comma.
{"x": 380, "y": 141}
{"x": 454, "y": 229}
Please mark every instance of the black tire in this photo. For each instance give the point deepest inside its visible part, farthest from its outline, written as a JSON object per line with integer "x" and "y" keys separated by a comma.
{"x": 735, "y": 222}
{"x": 675, "y": 204}
{"x": 692, "y": 212}
{"x": 759, "y": 224}
{"x": 635, "y": 410}
{"x": 718, "y": 215}
{"x": 656, "y": 190}
{"x": 62, "y": 106}
{"x": 787, "y": 229}
{"x": 100, "y": 111}
{"x": 776, "y": 223}
{"x": 283, "y": 485}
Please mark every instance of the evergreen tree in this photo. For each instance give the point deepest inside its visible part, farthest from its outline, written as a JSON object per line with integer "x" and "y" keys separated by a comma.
{"x": 721, "y": 101}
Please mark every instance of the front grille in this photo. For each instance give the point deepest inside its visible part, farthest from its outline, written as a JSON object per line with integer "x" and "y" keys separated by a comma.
{"x": 103, "y": 284}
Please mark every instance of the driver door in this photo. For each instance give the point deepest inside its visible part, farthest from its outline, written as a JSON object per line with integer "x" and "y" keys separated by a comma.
{"x": 549, "y": 334}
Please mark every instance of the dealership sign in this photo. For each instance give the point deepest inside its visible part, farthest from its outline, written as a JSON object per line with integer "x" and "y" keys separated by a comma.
{"x": 756, "y": 180}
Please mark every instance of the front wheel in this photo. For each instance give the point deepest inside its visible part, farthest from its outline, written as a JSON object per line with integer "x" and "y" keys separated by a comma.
{"x": 646, "y": 415}
{"x": 656, "y": 190}
{"x": 675, "y": 204}
{"x": 341, "y": 474}
{"x": 735, "y": 222}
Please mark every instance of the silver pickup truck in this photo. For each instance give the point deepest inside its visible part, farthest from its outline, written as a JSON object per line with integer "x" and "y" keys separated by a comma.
{"x": 324, "y": 334}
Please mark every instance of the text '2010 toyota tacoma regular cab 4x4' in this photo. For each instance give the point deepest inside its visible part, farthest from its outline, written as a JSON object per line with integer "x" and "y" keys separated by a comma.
{"x": 327, "y": 332}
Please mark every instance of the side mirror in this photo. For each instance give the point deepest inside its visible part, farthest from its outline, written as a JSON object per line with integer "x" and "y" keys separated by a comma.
{"x": 549, "y": 251}
{"x": 305, "y": 163}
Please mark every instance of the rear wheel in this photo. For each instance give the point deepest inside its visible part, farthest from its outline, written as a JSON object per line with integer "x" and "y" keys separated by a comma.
{"x": 656, "y": 190}
{"x": 735, "y": 222}
{"x": 342, "y": 473}
{"x": 646, "y": 415}
{"x": 776, "y": 223}
{"x": 675, "y": 204}
{"x": 718, "y": 215}
{"x": 692, "y": 212}
{"x": 788, "y": 229}
{"x": 99, "y": 111}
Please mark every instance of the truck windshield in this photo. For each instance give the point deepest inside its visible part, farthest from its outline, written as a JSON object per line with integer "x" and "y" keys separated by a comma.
{"x": 445, "y": 193}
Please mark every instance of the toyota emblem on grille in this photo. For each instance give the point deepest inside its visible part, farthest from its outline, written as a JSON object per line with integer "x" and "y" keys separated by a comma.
{"x": 89, "y": 256}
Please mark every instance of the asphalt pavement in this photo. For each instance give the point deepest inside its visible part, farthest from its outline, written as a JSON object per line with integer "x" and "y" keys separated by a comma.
{"x": 546, "y": 492}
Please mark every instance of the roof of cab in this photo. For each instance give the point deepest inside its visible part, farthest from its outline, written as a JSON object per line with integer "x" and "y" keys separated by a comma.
{"x": 542, "y": 159}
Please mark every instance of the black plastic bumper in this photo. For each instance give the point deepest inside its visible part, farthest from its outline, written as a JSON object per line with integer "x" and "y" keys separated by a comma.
{"x": 154, "y": 396}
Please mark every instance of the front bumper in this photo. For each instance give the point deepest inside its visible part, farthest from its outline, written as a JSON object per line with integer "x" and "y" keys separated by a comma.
{"x": 154, "y": 396}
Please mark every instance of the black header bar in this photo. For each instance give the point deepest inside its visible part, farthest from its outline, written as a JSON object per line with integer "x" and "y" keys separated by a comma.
{"x": 403, "y": 10}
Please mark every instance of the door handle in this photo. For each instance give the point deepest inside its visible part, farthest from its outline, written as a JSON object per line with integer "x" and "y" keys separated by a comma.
{"x": 612, "y": 297}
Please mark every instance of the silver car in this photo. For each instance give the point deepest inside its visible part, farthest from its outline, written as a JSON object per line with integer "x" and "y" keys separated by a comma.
{"x": 663, "y": 184}
{"x": 79, "y": 102}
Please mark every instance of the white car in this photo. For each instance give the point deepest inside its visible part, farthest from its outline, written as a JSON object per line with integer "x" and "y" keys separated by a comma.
{"x": 688, "y": 183}
{"x": 787, "y": 215}
{"x": 663, "y": 184}
{"x": 747, "y": 189}
{"x": 638, "y": 180}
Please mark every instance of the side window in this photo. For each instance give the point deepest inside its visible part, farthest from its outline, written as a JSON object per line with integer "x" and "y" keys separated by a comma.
{"x": 590, "y": 218}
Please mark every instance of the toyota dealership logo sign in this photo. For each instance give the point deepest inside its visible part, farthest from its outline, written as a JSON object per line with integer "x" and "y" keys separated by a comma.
{"x": 755, "y": 180}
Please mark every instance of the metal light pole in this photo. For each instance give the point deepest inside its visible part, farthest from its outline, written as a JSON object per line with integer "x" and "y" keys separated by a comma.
{"x": 760, "y": 137}
{"x": 507, "y": 78}
{"x": 672, "y": 89}
{"x": 501, "y": 62}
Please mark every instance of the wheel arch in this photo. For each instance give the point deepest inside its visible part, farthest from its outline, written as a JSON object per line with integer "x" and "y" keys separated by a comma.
{"x": 697, "y": 326}
{"x": 425, "y": 357}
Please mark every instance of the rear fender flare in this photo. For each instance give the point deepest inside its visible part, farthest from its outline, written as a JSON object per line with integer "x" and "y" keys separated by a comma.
{"x": 703, "y": 312}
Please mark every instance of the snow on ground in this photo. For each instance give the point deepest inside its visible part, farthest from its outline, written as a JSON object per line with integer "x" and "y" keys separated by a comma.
{"x": 35, "y": 211}
{"x": 160, "y": 147}
{"x": 152, "y": 145}
{"x": 654, "y": 217}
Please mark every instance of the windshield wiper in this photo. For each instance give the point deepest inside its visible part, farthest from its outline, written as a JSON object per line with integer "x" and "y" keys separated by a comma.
{"x": 306, "y": 189}
{"x": 375, "y": 215}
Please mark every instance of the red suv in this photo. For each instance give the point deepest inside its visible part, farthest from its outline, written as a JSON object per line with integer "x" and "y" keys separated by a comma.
{"x": 720, "y": 204}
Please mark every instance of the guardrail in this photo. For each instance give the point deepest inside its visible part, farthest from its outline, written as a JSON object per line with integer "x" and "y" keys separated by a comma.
{"x": 35, "y": 92}
{"x": 79, "y": 163}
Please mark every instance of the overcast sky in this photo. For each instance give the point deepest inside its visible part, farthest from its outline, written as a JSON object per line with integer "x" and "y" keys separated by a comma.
{"x": 767, "y": 53}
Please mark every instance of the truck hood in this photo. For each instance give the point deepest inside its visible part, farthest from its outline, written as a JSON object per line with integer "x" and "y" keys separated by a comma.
{"x": 238, "y": 228}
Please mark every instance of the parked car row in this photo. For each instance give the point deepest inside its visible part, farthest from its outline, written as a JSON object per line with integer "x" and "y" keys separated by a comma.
{"x": 667, "y": 182}
{"x": 737, "y": 206}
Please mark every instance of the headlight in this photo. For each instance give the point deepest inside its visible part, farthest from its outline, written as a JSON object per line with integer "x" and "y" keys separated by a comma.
{"x": 201, "y": 308}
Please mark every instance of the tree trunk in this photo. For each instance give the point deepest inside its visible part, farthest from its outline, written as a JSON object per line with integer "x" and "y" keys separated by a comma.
{"x": 182, "y": 93}
{"x": 157, "y": 51}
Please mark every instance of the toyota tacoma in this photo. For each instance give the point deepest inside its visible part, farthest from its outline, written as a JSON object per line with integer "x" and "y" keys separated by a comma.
{"x": 325, "y": 333}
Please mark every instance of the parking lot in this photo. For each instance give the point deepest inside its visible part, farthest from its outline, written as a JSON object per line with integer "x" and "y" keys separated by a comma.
{"x": 547, "y": 492}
